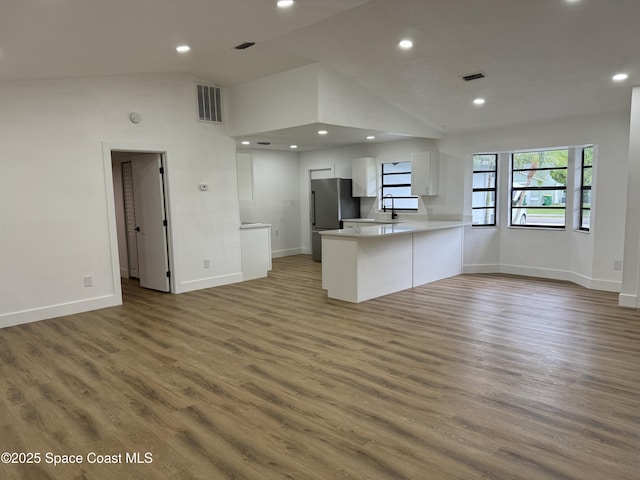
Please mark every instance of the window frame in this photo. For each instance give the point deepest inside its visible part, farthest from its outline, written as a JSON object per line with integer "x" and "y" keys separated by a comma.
{"x": 543, "y": 188}
{"x": 384, "y": 206}
{"x": 488, "y": 190}
{"x": 585, "y": 188}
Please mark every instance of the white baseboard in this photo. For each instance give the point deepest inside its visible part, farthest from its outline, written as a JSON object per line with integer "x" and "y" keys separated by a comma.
{"x": 60, "y": 310}
{"x": 626, "y": 300}
{"x": 606, "y": 285}
{"x": 481, "y": 268}
{"x": 209, "y": 282}
{"x": 550, "y": 273}
{"x": 286, "y": 252}
{"x": 582, "y": 280}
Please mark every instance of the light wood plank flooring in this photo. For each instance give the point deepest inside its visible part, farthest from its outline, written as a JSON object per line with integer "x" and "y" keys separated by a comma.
{"x": 472, "y": 377}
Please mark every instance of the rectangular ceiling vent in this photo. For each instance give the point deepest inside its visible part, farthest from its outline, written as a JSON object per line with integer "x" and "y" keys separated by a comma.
{"x": 209, "y": 103}
{"x": 473, "y": 76}
{"x": 244, "y": 46}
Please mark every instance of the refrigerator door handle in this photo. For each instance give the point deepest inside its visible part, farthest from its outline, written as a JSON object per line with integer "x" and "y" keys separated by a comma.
{"x": 313, "y": 208}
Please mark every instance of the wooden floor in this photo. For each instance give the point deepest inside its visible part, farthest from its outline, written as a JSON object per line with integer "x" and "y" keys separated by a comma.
{"x": 478, "y": 376}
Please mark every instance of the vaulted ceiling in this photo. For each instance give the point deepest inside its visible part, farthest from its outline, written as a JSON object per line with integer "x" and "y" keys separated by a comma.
{"x": 542, "y": 58}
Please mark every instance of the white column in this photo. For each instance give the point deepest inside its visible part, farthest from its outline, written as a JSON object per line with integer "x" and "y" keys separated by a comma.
{"x": 630, "y": 295}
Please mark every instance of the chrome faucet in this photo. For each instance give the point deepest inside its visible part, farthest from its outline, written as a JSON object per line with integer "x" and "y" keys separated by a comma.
{"x": 394, "y": 215}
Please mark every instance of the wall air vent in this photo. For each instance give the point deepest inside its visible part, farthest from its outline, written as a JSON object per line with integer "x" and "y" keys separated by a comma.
{"x": 473, "y": 76}
{"x": 209, "y": 103}
{"x": 244, "y": 46}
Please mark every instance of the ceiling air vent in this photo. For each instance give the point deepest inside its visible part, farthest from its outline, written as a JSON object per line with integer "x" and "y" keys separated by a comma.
{"x": 473, "y": 76}
{"x": 264, "y": 143}
{"x": 244, "y": 46}
{"x": 209, "y": 103}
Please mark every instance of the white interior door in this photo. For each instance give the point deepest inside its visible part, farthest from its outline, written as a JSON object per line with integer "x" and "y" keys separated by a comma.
{"x": 151, "y": 231}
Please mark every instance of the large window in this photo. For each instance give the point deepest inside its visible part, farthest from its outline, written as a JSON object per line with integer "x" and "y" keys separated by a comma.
{"x": 485, "y": 172}
{"x": 539, "y": 188}
{"x": 396, "y": 187}
{"x": 585, "y": 189}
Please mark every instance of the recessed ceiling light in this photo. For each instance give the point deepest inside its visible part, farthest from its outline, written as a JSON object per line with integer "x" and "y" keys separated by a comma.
{"x": 479, "y": 101}
{"x": 183, "y": 48}
{"x": 293, "y": 146}
{"x": 406, "y": 44}
{"x": 322, "y": 132}
{"x": 619, "y": 77}
{"x": 371, "y": 137}
{"x": 246, "y": 142}
{"x": 285, "y": 3}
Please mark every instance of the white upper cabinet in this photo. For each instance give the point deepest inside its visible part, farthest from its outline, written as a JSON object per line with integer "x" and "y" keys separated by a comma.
{"x": 364, "y": 174}
{"x": 425, "y": 170}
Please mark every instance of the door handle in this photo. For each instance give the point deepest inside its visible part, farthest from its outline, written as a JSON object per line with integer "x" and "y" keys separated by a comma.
{"x": 137, "y": 229}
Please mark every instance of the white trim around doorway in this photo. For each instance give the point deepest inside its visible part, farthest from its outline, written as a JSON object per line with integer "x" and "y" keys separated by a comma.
{"x": 107, "y": 149}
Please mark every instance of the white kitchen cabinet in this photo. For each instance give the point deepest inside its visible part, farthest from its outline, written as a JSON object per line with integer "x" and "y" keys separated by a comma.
{"x": 364, "y": 175}
{"x": 425, "y": 171}
{"x": 255, "y": 240}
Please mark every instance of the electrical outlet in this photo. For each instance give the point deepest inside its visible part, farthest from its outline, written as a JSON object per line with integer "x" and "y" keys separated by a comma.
{"x": 276, "y": 232}
{"x": 207, "y": 263}
{"x": 88, "y": 281}
{"x": 617, "y": 264}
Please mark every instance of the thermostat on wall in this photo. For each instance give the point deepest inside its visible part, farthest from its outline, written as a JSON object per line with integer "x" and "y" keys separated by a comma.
{"x": 135, "y": 117}
{"x": 203, "y": 187}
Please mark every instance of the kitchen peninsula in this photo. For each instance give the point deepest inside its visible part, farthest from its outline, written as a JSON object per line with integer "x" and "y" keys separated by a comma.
{"x": 373, "y": 260}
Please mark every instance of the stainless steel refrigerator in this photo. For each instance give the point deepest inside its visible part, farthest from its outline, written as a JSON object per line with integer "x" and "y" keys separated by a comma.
{"x": 331, "y": 202}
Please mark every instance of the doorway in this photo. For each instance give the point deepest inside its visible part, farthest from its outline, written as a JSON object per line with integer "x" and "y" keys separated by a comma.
{"x": 141, "y": 221}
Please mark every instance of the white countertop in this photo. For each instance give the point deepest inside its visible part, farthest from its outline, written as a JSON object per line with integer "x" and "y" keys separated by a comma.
{"x": 246, "y": 225}
{"x": 371, "y": 220}
{"x": 377, "y": 230}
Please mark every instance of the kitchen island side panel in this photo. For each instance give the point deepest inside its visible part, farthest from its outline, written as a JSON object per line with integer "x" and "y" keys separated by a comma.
{"x": 339, "y": 267}
{"x": 437, "y": 254}
{"x": 384, "y": 266}
{"x": 358, "y": 269}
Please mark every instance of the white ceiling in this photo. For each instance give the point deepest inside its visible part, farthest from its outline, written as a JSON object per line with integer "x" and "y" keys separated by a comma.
{"x": 543, "y": 58}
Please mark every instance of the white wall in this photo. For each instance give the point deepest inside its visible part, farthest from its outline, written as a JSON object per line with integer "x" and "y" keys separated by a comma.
{"x": 584, "y": 258}
{"x": 311, "y": 94}
{"x": 276, "y": 198}
{"x": 282, "y": 100}
{"x": 55, "y": 189}
{"x": 343, "y": 102}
